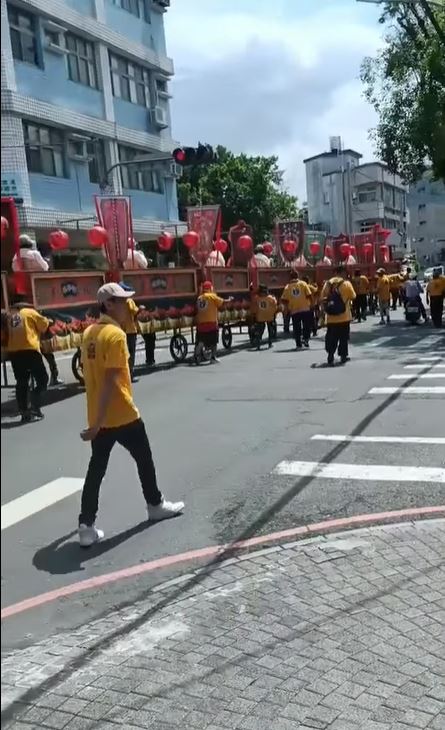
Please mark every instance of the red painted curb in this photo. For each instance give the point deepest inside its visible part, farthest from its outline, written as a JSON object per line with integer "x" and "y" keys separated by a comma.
{"x": 211, "y": 551}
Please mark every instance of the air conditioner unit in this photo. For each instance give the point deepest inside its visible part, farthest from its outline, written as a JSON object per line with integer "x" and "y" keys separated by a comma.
{"x": 159, "y": 116}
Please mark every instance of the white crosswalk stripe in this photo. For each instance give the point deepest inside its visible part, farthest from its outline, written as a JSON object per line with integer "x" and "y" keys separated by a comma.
{"x": 422, "y": 366}
{"x": 39, "y": 499}
{"x": 420, "y": 376}
{"x": 409, "y": 390}
{"x": 374, "y": 472}
{"x": 379, "y": 439}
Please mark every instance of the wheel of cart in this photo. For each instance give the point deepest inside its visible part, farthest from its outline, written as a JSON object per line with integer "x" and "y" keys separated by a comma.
{"x": 226, "y": 336}
{"x": 178, "y": 347}
{"x": 76, "y": 366}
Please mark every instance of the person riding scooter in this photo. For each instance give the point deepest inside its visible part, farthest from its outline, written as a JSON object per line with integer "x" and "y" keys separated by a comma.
{"x": 413, "y": 290}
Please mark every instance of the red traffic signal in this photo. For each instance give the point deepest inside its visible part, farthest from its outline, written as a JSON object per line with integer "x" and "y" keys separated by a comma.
{"x": 190, "y": 156}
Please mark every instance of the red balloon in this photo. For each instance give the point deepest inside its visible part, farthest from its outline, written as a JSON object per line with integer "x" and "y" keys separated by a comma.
{"x": 58, "y": 240}
{"x": 328, "y": 251}
{"x": 245, "y": 243}
{"x": 165, "y": 241}
{"x": 289, "y": 247}
{"x": 314, "y": 248}
{"x": 5, "y": 227}
{"x": 221, "y": 245}
{"x": 345, "y": 250}
{"x": 191, "y": 239}
{"x": 97, "y": 236}
{"x": 267, "y": 248}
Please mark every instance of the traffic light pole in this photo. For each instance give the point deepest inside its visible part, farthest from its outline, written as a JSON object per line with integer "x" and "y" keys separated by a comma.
{"x": 159, "y": 157}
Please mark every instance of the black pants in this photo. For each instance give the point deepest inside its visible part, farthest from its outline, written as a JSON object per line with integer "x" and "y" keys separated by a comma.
{"x": 315, "y": 315}
{"x": 436, "y": 307}
{"x": 131, "y": 344}
{"x": 337, "y": 335}
{"x": 361, "y": 306}
{"x": 259, "y": 328}
{"x": 301, "y": 323}
{"x": 26, "y": 364}
{"x": 132, "y": 437}
{"x": 150, "y": 345}
{"x": 51, "y": 360}
{"x": 395, "y": 298}
{"x": 286, "y": 322}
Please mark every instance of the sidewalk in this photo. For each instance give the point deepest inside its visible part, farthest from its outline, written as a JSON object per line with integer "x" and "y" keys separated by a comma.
{"x": 344, "y": 632}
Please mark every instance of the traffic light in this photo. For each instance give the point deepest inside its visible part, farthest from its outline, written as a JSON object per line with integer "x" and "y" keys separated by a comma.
{"x": 190, "y": 156}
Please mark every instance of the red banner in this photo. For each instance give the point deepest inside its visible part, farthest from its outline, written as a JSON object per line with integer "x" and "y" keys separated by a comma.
{"x": 204, "y": 220}
{"x": 290, "y": 231}
{"x": 114, "y": 214}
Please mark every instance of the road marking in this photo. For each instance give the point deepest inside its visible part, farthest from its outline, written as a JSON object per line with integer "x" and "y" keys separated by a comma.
{"x": 424, "y": 376}
{"x": 379, "y": 439}
{"x": 379, "y": 341}
{"x": 39, "y": 499}
{"x": 369, "y": 472}
{"x": 411, "y": 389}
{"x": 433, "y": 358}
{"x": 427, "y": 342}
{"x": 421, "y": 367}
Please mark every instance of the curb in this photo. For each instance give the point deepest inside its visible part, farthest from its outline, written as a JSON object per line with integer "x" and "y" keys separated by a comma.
{"x": 223, "y": 551}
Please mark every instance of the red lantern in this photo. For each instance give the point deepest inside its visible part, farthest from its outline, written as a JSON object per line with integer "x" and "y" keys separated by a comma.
{"x": 314, "y": 248}
{"x": 384, "y": 252}
{"x": 345, "y": 250}
{"x": 97, "y": 236}
{"x": 352, "y": 251}
{"x": 165, "y": 241}
{"x": 58, "y": 240}
{"x": 191, "y": 239}
{"x": 367, "y": 248}
{"x": 328, "y": 251}
{"x": 267, "y": 248}
{"x": 245, "y": 243}
{"x": 289, "y": 247}
{"x": 5, "y": 227}
{"x": 221, "y": 245}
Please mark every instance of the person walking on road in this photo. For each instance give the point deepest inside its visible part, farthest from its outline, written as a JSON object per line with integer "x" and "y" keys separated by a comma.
{"x": 337, "y": 296}
{"x": 130, "y": 328}
{"x": 383, "y": 296}
{"x": 24, "y": 327}
{"x": 208, "y": 305}
{"x": 435, "y": 293}
{"x": 264, "y": 311}
{"x": 360, "y": 283}
{"x": 112, "y": 415}
{"x": 297, "y": 298}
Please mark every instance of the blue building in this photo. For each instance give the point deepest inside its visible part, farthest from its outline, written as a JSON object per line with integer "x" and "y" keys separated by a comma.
{"x": 85, "y": 85}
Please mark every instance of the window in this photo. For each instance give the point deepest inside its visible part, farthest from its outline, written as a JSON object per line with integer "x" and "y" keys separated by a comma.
{"x": 139, "y": 8}
{"x": 367, "y": 195}
{"x": 23, "y": 35}
{"x": 138, "y": 177}
{"x": 81, "y": 61}
{"x": 130, "y": 81}
{"x": 44, "y": 150}
{"x": 96, "y": 163}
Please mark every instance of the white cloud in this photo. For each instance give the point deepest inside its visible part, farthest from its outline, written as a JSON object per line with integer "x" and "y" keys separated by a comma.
{"x": 263, "y": 78}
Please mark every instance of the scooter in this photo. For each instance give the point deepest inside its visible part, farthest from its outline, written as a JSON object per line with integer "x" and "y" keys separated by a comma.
{"x": 412, "y": 311}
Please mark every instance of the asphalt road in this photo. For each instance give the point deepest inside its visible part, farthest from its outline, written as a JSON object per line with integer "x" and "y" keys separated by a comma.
{"x": 220, "y": 435}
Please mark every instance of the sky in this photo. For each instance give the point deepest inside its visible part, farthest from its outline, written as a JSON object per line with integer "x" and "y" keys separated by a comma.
{"x": 272, "y": 77}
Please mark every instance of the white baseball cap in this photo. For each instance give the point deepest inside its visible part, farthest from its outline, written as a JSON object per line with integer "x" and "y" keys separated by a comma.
{"x": 113, "y": 291}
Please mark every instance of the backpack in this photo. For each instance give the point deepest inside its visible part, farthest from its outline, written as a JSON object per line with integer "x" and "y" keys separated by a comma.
{"x": 334, "y": 302}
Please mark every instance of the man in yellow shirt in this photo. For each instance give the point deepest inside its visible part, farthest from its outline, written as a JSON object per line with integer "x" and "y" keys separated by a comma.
{"x": 24, "y": 328}
{"x": 208, "y": 305}
{"x": 360, "y": 283}
{"x": 297, "y": 298}
{"x": 395, "y": 283}
{"x": 435, "y": 293}
{"x": 337, "y": 296}
{"x": 130, "y": 328}
{"x": 112, "y": 415}
{"x": 264, "y": 310}
{"x": 383, "y": 295}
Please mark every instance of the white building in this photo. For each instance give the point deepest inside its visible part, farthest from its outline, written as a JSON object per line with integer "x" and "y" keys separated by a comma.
{"x": 426, "y": 202}
{"x": 347, "y": 197}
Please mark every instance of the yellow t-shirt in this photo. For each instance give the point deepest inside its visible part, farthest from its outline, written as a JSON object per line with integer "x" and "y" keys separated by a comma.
{"x": 130, "y": 326}
{"x": 207, "y": 306}
{"x": 104, "y": 346}
{"x": 395, "y": 282}
{"x": 383, "y": 288}
{"x": 436, "y": 287}
{"x": 298, "y": 296}
{"x": 24, "y": 329}
{"x": 347, "y": 293}
{"x": 361, "y": 284}
{"x": 264, "y": 308}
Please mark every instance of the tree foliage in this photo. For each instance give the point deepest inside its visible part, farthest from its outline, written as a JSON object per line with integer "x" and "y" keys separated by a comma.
{"x": 406, "y": 85}
{"x": 248, "y": 188}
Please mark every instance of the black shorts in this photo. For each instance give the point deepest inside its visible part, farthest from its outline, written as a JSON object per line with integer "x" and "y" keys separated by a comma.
{"x": 208, "y": 339}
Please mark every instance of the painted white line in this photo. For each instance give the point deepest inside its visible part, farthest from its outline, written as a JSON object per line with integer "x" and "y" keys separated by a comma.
{"x": 421, "y": 367}
{"x": 380, "y": 439}
{"x": 427, "y": 342}
{"x": 369, "y": 472}
{"x": 37, "y": 500}
{"x": 433, "y": 358}
{"x": 411, "y": 389}
{"x": 424, "y": 376}
{"x": 379, "y": 341}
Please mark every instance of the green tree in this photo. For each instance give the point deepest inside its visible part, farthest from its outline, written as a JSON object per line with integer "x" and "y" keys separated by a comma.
{"x": 246, "y": 187}
{"x": 406, "y": 85}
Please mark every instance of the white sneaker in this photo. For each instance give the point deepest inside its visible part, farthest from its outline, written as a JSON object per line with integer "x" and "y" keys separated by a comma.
{"x": 164, "y": 510}
{"x": 89, "y": 534}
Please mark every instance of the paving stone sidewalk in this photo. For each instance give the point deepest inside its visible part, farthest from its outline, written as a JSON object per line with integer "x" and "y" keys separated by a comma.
{"x": 345, "y": 632}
